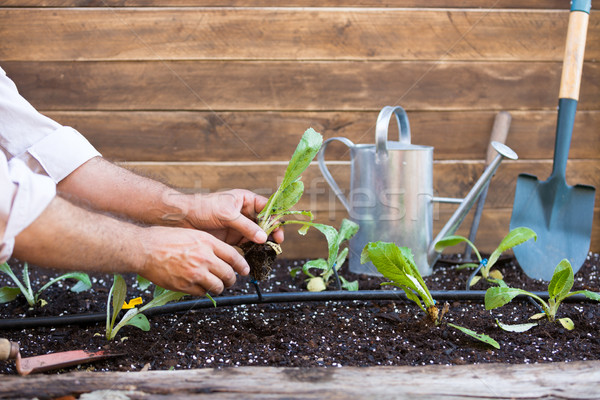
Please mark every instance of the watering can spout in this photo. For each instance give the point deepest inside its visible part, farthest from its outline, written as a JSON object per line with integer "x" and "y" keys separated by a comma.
{"x": 467, "y": 203}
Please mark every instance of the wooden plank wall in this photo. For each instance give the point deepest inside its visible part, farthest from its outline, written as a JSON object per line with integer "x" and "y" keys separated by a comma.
{"x": 216, "y": 96}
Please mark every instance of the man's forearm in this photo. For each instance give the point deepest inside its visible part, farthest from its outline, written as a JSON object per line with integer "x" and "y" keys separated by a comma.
{"x": 68, "y": 237}
{"x": 104, "y": 186}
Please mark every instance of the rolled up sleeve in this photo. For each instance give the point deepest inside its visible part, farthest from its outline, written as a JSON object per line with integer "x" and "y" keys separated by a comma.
{"x": 23, "y": 197}
{"x": 40, "y": 142}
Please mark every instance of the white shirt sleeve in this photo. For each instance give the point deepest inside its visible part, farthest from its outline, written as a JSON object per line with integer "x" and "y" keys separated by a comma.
{"x": 43, "y": 144}
{"x": 35, "y": 154}
{"x": 23, "y": 198}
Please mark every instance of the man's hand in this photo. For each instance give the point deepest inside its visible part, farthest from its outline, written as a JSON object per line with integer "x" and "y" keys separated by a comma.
{"x": 228, "y": 216}
{"x": 189, "y": 261}
{"x": 68, "y": 237}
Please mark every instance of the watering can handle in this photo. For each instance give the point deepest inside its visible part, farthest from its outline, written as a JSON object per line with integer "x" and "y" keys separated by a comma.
{"x": 325, "y": 171}
{"x": 383, "y": 122}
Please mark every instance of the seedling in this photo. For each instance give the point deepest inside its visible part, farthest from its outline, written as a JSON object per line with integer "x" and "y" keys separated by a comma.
{"x": 262, "y": 257}
{"x": 133, "y": 316}
{"x": 397, "y": 264}
{"x": 514, "y": 238}
{"x": 558, "y": 290}
{"x": 9, "y": 293}
{"x": 328, "y": 268}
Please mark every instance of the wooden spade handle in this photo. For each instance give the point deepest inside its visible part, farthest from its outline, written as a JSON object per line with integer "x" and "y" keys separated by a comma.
{"x": 499, "y": 133}
{"x": 574, "y": 51}
{"x": 8, "y": 350}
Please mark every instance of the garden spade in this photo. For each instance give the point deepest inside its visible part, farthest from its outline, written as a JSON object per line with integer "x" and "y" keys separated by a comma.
{"x": 560, "y": 214}
{"x": 29, "y": 365}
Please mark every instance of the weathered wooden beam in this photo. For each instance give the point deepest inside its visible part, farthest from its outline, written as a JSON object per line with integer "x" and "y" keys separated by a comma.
{"x": 485, "y": 4}
{"x": 576, "y": 380}
{"x": 273, "y": 136}
{"x": 84, "y": 34}
{"x": 290, "y": 86}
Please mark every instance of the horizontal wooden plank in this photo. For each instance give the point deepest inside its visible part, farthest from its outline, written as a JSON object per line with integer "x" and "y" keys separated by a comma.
{"x": 282, "y": 34}
{"x": 573, "y": 380}
{"x": 315, "y": 86}
{"x": 486, "y": 4}
{"x": 493, "y": 226}
{"x": 450, "y": 179}
{"x": 273, "y": 136}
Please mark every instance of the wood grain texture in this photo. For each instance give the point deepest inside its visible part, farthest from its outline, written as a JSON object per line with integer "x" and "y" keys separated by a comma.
{"x": 575, "y": 380}
{"x": 494, "y": 225}
{"x": 311, "y": 86}
{"x": 83, "y": 34}
{"x": 273, "y": 136}
{"x": 486, "y": 4}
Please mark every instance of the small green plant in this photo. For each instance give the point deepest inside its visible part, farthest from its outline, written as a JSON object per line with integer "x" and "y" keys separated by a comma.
{"x": 328, "y": 268}
{"x": 558, "y": 290}
{"x": 134, "y": 316}
{"x": 9, "y": 293}
{"x": 279, "y": 205}
{"x": 397, "y": 264}
{"x": 514, "y": 238}
{"x": 291, "y": 188}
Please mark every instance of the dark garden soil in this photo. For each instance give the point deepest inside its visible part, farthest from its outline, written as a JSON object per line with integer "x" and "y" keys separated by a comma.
{"x": 332, "y": 334}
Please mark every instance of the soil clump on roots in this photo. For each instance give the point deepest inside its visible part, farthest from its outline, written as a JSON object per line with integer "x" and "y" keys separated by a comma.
{"x": 260, "y": 258}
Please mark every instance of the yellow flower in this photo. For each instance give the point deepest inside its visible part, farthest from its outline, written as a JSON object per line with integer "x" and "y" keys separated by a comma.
{"x": 132, "y": 303}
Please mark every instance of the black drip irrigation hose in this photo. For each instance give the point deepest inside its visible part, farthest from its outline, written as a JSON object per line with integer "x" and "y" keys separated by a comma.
{"x": 263, "y": 298}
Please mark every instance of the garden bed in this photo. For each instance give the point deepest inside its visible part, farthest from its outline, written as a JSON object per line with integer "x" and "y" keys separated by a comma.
{"x": 315, "y": 334}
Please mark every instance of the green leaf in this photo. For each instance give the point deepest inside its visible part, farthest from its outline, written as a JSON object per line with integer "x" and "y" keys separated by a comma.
{"x": 288, "y": 198}
{"x": 294, "y": 272}
{"x": 8, "y": 293}
{"x": 397, "y": 264}
{"x": 319, "y": 264}
{"x": 8, "y": 271}
{"x": 143, "y": 283}
{"x": 84, "y": 282}
{"x": 538, "y": 316}
{"x": 474, "y": 281}
{"x": 453, "y": 240}
{"x": 158, "y": 291}
{"x": 347, "y": 230}
{"x": 118, "y": 292}
{"x": 305, "y": 152}
{"x": 497, "y": 296}
{"x": 514, "y": 238}
{"x": 341, "y": 258}
{"x": 479, "y": 336}
{"x": 516, "y": 327}
{"x": 349, "y": 286}
{"x": 140, "y": 321}
{"x": 331, "y": 235}
{"x": 165, "y": 297}
{"x": 588, "y": 294}
{"x": 562, "y": 280}
{"x": 467, "y": 265}
{"x": 567, "y": 323}
{"x": 208, "y": 296}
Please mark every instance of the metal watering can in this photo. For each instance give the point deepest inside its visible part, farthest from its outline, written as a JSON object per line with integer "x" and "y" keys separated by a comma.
{"x": 391, "y": 193}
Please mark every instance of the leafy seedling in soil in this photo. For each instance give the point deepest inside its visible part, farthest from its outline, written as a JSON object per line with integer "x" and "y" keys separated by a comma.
{"x": 514, "y": 238}
{"x": 330, "y": 267}
{"x": 397, "y": 264}
{"x": 261, "y": 257}
{"x": 558, "y": 290}
{"x": 134, "y": 316}
{"x": 9, "y": 293}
